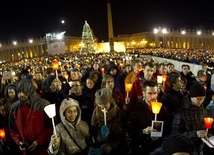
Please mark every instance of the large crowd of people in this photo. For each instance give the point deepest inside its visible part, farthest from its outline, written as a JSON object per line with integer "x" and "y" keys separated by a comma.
{"x": 96, "y": 113}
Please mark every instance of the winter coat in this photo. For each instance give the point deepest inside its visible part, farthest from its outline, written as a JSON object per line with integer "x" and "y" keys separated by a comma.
{"x": 115, "y": 119}
{"x": 189, "y": 120}
{"x": 78, "y": 130}
{"x": 140, "y": 118}
{"x": 28, "y": 120}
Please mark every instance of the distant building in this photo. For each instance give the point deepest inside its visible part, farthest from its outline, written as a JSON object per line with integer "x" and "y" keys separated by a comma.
{"x": 189, "y": 39}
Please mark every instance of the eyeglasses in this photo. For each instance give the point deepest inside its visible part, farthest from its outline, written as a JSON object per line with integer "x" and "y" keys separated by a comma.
{"x": 76, "y": 85}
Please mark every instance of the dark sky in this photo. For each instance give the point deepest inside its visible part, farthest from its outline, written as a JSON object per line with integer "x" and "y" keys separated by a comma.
{"x": 22, "y": 19}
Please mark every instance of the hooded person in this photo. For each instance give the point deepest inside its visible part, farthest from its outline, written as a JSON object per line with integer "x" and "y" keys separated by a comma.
{"x": 118, "y": 79}
{"x": 30, "y": 127}
{"x": 54, "y": 94}
{"x": 107, "y": 130}
{"x": 72, "y": 131}
{"x": 10, "y": 94}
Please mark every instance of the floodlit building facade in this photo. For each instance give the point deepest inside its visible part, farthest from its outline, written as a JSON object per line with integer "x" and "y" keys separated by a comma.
{"x": 160, "y": 37}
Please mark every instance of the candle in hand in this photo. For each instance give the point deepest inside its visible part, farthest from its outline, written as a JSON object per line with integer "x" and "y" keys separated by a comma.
{"x": 208, "y": 122}
{"x": 128, "y": 87}
{"x": 104, "y": 112}
{"x": 2, "y": 134}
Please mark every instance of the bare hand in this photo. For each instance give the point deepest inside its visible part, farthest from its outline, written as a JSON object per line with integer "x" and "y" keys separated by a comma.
{"x": 55, "y": 140}
{"x": 21, "y": 146}
{"x": 147, "y": 130}
{"x": 202, "y": 133}
{"x": 32, "y": 146}
{"x": 127, "y": 100}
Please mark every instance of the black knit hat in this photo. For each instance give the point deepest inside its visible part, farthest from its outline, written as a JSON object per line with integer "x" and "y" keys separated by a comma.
{"x": 177, "y": 143}
{"x": 197, "y": 90}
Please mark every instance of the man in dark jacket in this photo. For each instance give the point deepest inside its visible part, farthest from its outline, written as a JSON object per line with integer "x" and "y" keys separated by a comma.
{"x": 140, "y": 120}
{"x": 29, "y": 125}
{"x": 190, "y": 120}
{"x": 172, "y": 99}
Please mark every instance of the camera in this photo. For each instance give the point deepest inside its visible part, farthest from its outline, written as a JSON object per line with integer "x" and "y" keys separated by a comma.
{"x": 25, "y": 144}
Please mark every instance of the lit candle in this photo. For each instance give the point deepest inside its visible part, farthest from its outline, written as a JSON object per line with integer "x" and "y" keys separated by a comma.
{"x": 55, "y": 64}
{"x": 159, "y": 79}
{"x": 104, "y": 113}
{"x": 208, "y": 122}
{"x": 156, "y": 106}
{"x": 2, "y": 134}
{"x": 128, "y": 87}
{"x": 164, "y": 78}
{"x": 102, "y": 70}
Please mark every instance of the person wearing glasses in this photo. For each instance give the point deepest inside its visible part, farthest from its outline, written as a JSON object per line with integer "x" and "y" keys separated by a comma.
{"x": 86, "y": 104}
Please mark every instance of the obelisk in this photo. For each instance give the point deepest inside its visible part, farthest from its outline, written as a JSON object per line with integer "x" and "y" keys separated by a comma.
{"x": 110, "y": 27}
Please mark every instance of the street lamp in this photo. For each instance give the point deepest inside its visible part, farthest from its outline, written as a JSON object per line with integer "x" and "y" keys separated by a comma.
{"x": 162, "y": 32}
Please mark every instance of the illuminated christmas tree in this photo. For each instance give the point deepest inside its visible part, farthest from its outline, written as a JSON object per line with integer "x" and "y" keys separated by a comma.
{"x": 88, "y": 42}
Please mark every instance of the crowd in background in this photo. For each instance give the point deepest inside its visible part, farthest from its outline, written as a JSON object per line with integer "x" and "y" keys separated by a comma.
{"x": 96, "y": 114}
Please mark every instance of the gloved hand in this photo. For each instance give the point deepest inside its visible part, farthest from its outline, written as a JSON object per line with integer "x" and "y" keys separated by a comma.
{"x": 55, "y": 140}
{"x": 95, "y": 151}
{"x": 104, "y": 132}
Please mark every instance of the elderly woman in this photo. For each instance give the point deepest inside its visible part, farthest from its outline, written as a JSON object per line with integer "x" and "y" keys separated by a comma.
{"x": 72, "y": 133}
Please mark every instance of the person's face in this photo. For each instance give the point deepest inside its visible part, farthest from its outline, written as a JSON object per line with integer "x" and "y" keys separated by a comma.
{"x": 198, "y": 101}
{"x": 11, "y": 93}
{"x": 137, "y": 67}
{"x": 178, "y": 84}
{"x": 96, "y": 66}
{"x": 170, "y": 68}
{"x": 3, "y": 110}
{"x": 76, "y": 88}
{"x": 71, "y": 113}
{"x": 104, "y": 106}
{"x": 113, "y": 71}
{"x": 89, "y": 83}
{"x": 148, "y": 72}
{"x": 95, "y": 77}
{"x": 74, "y": 75}
{"x": 110, "y": 83}
{"x": 150, "y": 94}
{"x": 162, "y": 69}
{"x": 55, "y": 85}
{"x": 22, "y": 96}
{"x": 185, "y": 69}
{"x": 128, "y": 69}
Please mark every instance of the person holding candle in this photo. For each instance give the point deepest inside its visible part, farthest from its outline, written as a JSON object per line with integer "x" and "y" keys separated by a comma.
{"x": 190, "y": 120}
{"x": 72, "y": 134}
{"x": 55, "y": 93}
{"x": 107, "y": 124}
{"x": 108, "y": 82}
{"x": 139, "y": 120}
{"x": 118, "y": 79}
{"x": 7, "y": 145}
{"x": 136, "y": 90}
{"x": 136, "y": 67}
{"x": 29, "y": 125}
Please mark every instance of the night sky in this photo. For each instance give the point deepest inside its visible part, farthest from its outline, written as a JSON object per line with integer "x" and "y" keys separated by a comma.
{"x": 23, "y": 19}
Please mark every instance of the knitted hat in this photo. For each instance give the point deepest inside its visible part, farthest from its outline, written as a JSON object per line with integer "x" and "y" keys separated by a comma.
{"x": 197, "y": 90}
{"x": 177, "y": 143}
{"x": 103, "y": 96}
